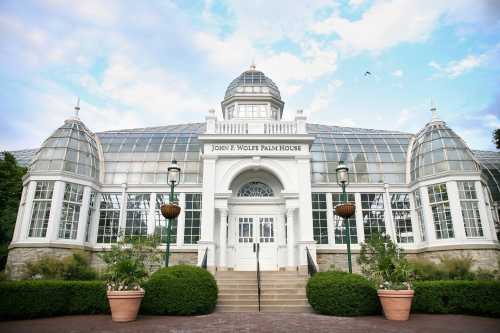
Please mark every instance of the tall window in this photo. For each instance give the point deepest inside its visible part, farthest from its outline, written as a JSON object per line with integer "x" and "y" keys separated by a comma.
{"x": 41, "y": 208}
{"x": 192, "y": 218}
{"x": 420, "y": 215}
{"x": 320, "y": 224}
{"x": 160, "y": 221}
{"x": 109, "y": 217}
{"x": 72, "y": 202}
{"x": 90, "y": 214}
{"x": 340, "y": 224}
{"x": 441, "y": 214}
{"x": 470, "y": 209}
{"x": 372, "y": 207}
{"x": 401, "y": 214}
{"x": 137, "y": 214}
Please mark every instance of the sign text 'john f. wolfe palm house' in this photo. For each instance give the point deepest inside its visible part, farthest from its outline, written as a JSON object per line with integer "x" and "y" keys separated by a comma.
{"x": 255, "y": 178}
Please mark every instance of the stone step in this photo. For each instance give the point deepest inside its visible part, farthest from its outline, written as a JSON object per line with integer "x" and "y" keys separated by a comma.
{"x": 292, "y": 291}
{"x": 239, "y": 302}
{"x": 237, "y": 285}
{"x": 286, "y": 308}
{"x": 239, "y": 308}
{"x": 288, "y": 285}
{"x": 235, "y": 291}
{"x": 269, "y": 296}
{"x": 226, "y": 296}
{"x": 283, "y": 302}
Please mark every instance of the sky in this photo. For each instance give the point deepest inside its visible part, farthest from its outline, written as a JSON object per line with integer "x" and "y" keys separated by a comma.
{"x": 150, "y": 63}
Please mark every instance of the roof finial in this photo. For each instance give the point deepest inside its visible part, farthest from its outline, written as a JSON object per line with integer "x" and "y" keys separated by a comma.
{"x": 252, "y": 66}
{"x": 77, "y": 108}
{"x": 434, "y": 111}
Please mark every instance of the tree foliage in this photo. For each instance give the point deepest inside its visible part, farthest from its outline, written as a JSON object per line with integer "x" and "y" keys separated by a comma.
{"x": 11, "y": 186}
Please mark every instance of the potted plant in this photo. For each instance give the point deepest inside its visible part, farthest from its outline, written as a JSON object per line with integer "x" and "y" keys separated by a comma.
{"x": 125, "y": 272}
{"x": 385, "y": 264}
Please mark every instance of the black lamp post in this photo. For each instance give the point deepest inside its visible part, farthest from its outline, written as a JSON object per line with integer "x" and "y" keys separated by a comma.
{"x": 345, "y": 209}
{"x": 172, "y": 210}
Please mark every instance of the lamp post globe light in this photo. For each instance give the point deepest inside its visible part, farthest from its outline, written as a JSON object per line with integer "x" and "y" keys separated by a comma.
{"x": 171, "y": 210}
{"x": 345, "y": 209}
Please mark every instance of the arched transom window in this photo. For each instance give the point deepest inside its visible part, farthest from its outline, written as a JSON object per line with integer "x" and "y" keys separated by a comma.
{"x": 255, "y": 189}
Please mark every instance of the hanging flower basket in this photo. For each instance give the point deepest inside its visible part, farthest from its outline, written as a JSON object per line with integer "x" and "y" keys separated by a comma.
{"x": 170, "y": 211}
{"x": 345, "y": 210}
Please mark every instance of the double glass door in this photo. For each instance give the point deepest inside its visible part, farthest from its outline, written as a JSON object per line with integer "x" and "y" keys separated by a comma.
{"x": 253, "y": 230}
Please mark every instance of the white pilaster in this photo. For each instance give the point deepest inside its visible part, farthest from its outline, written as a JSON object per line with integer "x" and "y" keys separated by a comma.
{"x": 123, "y": 209}
{"x": 151, "y": 214}
{"x": 487, "y": 224}
{"x": 84, "y": 212}
{"x": 305, "y": 223}
{"x": 427, "y": 214}
{"x": 181, "y": 220}
{"x": 330, "y": 218}
{"x": 223, "y": 212}
{"x": 94, "y": 223}
{"x": 417, "y": 237}
{"x": 456, "y": 210}
{"x": 290, "y": 221}
{"x": 208, "y": 212}
{"x": 359, "y": 218}
{"x": 28, "y": 207}
{"x": 389, "y": 221}
{"x": 55, "y": 210}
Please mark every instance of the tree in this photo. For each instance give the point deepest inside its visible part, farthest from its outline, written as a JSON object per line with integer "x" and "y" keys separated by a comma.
{"x": 496, "y": 137}
{"x": 11, "y": 187}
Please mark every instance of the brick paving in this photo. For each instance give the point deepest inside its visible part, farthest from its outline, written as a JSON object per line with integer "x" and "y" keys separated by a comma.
{"x": 256, "y": 322}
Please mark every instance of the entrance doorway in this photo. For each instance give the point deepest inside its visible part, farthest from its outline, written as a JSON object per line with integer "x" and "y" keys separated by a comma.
{"x": 253, "y": 232}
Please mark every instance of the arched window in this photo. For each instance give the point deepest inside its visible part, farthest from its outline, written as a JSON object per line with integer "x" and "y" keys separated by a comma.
{"x": 255, "y": 189}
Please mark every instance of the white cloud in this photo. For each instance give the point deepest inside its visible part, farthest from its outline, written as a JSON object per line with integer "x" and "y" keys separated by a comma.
{"x": 356, "y": 3}
{"x": 398, "y": 73}
{"x": 322, "y": 101}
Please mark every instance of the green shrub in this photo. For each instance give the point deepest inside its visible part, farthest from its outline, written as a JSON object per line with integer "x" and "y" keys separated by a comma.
{"x": 426, "y": 270}
{"x": 180, "y": 290}
{"x": 32, "y": 299}
{"x": 457, "y": 297}
{"x": 458, "y": 268}
{"x": 75, "y": 267}
{"x": 342, "y": 294}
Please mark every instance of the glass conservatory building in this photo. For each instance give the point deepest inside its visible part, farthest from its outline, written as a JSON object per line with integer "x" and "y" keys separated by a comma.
{"x": 253, "y": 178}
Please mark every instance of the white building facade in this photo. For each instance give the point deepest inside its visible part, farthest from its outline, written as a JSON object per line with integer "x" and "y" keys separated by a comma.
{"x": 252, "y": 178}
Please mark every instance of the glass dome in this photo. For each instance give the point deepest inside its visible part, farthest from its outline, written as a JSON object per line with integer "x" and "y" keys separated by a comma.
{"x": 438, "y": 149}
{"x": 71, "y": 148}
{"x": 252, "y": 82}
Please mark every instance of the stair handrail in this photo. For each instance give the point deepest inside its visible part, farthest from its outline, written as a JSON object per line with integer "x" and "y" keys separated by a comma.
{"x": 205, "y": 259}
{"x": 311, "y": 265}
{"x": 257, "y": 252}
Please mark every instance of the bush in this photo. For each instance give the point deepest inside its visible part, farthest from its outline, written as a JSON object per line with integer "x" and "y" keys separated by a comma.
{"x": 76, "y": 267}
{"x": 458, "y": 268}
{"x": 342, "y": 294}
{"x": 32, "y": 299}
{"x": 426, "y": 270}
{"x": 180, "y": 290}
{"x": 458, "y": 297}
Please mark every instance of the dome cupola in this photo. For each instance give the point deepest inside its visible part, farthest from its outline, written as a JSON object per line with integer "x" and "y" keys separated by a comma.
{"x": 72, "y": 149}
{"x": 252, "y": 95}
{"x": 438, "y": 149}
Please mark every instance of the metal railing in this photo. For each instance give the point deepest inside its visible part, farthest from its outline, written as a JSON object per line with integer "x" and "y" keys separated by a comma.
{"x": 205, "y": 259}
{"x": 311, "y": 265}
{"x": 256, "y": 247}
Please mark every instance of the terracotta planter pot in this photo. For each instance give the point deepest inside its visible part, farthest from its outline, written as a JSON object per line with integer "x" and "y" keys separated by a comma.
{"x": 170, "y": 211}
{"x": 396, "y": 303}
{"x": 125, "y": 304}
{"x": 345, "y": 210}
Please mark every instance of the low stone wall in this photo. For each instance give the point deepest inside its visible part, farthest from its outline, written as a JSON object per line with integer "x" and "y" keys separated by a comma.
{"x": 485, "y": 258}
{"x": 19, "y": 256}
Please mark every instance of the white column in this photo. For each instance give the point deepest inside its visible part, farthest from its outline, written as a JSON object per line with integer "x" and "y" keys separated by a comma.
{"x": 487, "y": 224}
{"x": 94, "y": 223}
{"x": 305, "y": 223}
{"x": 151, "y": 214}
{"x": 291, "y": 238}
{"x": 389, "y": 221}
{"x": 123, "y": 209}
{"x": 427, "y": 214}
{"x": 84, "y": 215}
{"x": 223, "y": 237}
{"x": 330, "y": 218}
{"x": 359, "y": 218}
{"x": 206, "y": 241}
{"x": 417, "y": 237}
{"x": 28, "y": 207}
{"x": 55, "y": 210}
{"x": 456, "y": 210}
{"x": 181, "y": 220}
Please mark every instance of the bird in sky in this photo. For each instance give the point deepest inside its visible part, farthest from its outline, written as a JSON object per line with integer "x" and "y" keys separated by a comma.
{"x": 368, "y": 73}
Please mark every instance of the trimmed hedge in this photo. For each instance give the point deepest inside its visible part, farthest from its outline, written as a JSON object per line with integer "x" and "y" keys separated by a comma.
{"x": 342, "y": 294}
{"x": 180, "y": 290}
{"x": 32, "y": 299}
{"x": 480, "y": 298}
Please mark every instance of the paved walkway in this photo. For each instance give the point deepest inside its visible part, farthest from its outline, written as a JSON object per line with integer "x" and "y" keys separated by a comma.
{"x": 255, "y": 322}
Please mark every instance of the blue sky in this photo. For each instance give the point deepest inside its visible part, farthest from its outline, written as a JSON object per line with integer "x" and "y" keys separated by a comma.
{"x": 150, "y": 63}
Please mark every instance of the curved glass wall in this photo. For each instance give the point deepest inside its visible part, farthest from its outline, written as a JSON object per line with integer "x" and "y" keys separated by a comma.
{"x": 372, "y": 156}
{"x": 71, "y": 148}
{"x": 142, "y": 156}
{"x": 438, "y": 149}
{"x": 490, "y": 167}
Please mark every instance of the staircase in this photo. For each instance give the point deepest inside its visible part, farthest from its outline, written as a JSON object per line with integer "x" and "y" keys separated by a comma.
{"x": 280, "y": 292}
